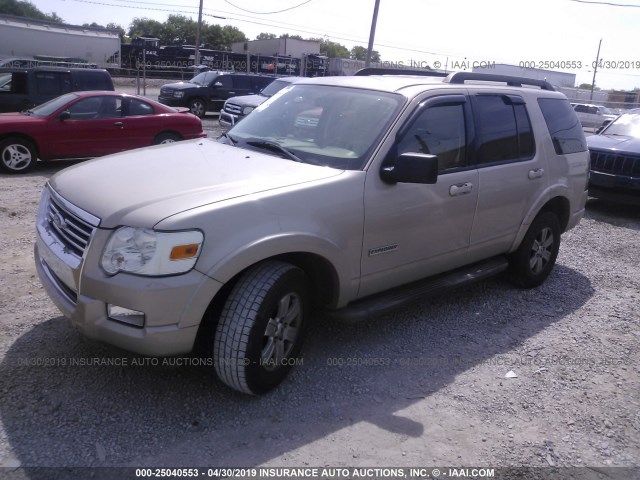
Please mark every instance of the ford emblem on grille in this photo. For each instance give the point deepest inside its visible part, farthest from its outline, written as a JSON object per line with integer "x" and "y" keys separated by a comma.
{"x": 59, "y": 222}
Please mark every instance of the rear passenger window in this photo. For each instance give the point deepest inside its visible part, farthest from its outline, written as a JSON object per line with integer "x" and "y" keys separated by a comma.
{"x": 138, "y": 107}
{"x": 504, "y": 129}
{"x": 242, "y": 82}
{"x": 53, "y": 83}
{"x": 88, "y": 80}
{"x": 563, "y": 124}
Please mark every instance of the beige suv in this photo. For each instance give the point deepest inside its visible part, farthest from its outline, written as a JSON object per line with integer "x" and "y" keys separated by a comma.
{"x": 347, "y": 196}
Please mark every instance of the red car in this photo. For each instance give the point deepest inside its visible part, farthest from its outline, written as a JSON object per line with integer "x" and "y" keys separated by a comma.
{"x": 90, "y": 124}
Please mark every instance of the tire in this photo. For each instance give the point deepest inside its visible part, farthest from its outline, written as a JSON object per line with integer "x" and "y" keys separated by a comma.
{"x": 532, "y": 263}
{"x": 17, "y": 155}
{"x": 262, "y": 327}
{"x": 166, "y": 138}
{"x": 198, "y": 107}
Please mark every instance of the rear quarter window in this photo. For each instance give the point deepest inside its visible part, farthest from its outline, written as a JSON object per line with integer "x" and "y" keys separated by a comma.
{"x": 563, "y": 125}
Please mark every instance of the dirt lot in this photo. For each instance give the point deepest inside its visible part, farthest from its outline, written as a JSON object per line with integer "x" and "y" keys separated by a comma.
{"x": 424, "y": 386}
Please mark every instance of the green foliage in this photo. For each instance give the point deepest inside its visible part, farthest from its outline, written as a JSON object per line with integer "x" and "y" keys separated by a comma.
{"x": 27, "y": 9}
{"x": 265, "y": 36}
{"x": 181, "y": 30}
{"x": 332, "y": 49}
{"x": 360, "y": 53}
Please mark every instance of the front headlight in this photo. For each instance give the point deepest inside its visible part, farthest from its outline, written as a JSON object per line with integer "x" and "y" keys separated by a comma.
{"x": 247, "y": 110}
{"x": 178, "y": 94}
{"x": 146, "y": 252}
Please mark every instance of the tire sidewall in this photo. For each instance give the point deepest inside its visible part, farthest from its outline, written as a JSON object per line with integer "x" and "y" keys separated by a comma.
{"x": 521, "y": 270}
{"x": 259, "y": 379}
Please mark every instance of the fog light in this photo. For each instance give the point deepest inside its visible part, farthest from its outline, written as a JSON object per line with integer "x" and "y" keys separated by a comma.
{"x": 125, "y": 315}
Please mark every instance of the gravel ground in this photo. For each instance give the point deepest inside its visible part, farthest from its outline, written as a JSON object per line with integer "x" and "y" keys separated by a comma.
{"x": 424, "y": 386}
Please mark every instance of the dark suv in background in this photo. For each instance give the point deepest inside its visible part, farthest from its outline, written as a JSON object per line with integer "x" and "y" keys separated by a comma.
{"x": 208, "y": 91}
{"x": 23, "y": 88}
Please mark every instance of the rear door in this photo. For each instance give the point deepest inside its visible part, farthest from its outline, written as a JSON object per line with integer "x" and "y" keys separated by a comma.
{"x": 512, "y": 173}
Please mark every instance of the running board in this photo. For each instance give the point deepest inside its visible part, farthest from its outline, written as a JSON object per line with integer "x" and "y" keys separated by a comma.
{"x": 385, "y": 302}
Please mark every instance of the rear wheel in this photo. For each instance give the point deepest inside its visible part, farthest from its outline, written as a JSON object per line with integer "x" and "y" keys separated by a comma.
{"x": 198, "y": 107}
{"x": 532, "y": 263}
{"x": 166, "y": 138}
{"x": 17, "y": 155}
{"x": 261, "y": 328}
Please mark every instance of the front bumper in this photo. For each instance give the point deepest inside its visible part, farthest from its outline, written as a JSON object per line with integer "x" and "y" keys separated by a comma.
{"x": 173, "y": 306}
{"x": 614, "y": 187}
{"x": 227, "y": 120}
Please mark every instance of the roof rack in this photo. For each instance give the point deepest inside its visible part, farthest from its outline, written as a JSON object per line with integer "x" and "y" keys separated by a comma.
{"x": 461, "y": 77}
{"x": 397, "y": 71}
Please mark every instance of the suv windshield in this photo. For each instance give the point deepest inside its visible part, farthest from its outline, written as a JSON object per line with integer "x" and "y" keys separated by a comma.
{"x": 321, "y": 125}
{"x": 627, "y": 124}
{"x": 203, "y": 78}
{"x": 274, "y": 87}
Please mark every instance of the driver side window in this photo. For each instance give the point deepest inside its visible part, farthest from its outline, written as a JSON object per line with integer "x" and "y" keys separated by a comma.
{"x": 438, "y": 130}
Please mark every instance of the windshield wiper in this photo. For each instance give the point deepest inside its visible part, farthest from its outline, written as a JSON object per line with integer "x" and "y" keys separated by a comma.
{"x": 230, "y": 138}
{"x": 274, "y": 147}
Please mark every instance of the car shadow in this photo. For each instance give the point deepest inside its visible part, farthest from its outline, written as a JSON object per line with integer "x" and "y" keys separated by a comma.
{"x": 69, "y": 403}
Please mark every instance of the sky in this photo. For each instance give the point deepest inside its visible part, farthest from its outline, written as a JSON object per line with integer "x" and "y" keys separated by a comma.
{"x": 558, "y": 35}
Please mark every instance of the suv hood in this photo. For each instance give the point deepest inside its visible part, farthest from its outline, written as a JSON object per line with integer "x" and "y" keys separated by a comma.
{"x": 248, "y": 100}
{"x": 618, "y": 143}
{"x": 142, "y": 187}
{"x": 181, "y": 86}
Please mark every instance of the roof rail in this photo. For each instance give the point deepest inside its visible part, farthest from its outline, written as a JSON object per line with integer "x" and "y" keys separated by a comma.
{"x": 397, "y": 71}
{"x": 461, "y": 77}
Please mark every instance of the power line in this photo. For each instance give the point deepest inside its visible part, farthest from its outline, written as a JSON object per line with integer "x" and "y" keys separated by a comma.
{"x": 606, "y": 3}
{"x": 267, "y": 13}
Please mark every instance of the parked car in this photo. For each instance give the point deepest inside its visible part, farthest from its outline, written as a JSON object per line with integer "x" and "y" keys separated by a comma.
{"x": 23, "y": 88}
{"x": 236, "y": 108}
{"x": 89, "y": 124}
{"x": 208, "y": 91}
{"x": 349, "y": 196}
{"x": 615, "y": 160}
{"x": 593, "y": 116}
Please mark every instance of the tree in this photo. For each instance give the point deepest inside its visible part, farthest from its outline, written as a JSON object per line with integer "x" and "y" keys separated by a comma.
{"x": 145, "y": 27}
{"x": 586, "y": 86}
{"x": 27, "y": 9}
{"x": 115, "y": 26}
{"x": 332, "y": 49}
{"x": 266, "y": 36}
{"x": 360, "y": 53}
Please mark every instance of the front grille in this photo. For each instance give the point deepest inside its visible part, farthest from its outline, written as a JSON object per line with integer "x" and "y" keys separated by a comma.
{"x": 73, "y": 232}
{"x": 615, "y": 163}
{"x": 166, "y": 92}
{"x": 233, "y": 109}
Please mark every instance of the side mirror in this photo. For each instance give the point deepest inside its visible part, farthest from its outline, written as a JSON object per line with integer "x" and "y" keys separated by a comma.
{"x": 217, "y": 84}
{"x": 412, "y": 167}
{"x": 66, "y": 115}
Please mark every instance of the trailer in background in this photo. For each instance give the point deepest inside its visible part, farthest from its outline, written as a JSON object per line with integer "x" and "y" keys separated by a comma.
{"x": 29, "y": 39}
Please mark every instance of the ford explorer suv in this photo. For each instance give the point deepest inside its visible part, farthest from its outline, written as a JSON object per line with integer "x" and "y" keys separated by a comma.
{"x": 236, "y": 108}
{"x": 343, "y": 197}
{"x": 24, "y": 88}
{"x": 208, "y": 91}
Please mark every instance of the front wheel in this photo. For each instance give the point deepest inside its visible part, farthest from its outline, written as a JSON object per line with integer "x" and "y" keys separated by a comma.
{"x": 166, "y": 138}
{"x": 532, "y": 263}
{"x": 261, "y": 328}
{"x": 198, "y": 107}
{"x": 18, "y": 155}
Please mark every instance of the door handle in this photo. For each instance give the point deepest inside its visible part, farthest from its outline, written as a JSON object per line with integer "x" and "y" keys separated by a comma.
{"x": 118, "y": 124}
{"x": 537, "y": 173}
{"x": 460, "y": 189}
{"x": 232, "y": 93}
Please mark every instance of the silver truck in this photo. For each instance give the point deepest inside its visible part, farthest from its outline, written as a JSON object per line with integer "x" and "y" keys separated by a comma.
{"x": 343, "y": 197}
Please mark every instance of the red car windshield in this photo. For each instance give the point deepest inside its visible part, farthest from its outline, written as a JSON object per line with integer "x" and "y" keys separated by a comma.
{"x": 51, "y": 106}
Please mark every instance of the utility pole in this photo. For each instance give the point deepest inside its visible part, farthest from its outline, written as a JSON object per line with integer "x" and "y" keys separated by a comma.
{"x": 595, "y": 69}
{"x": 372, "y": 35}
{"x": 196, "y": 57}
